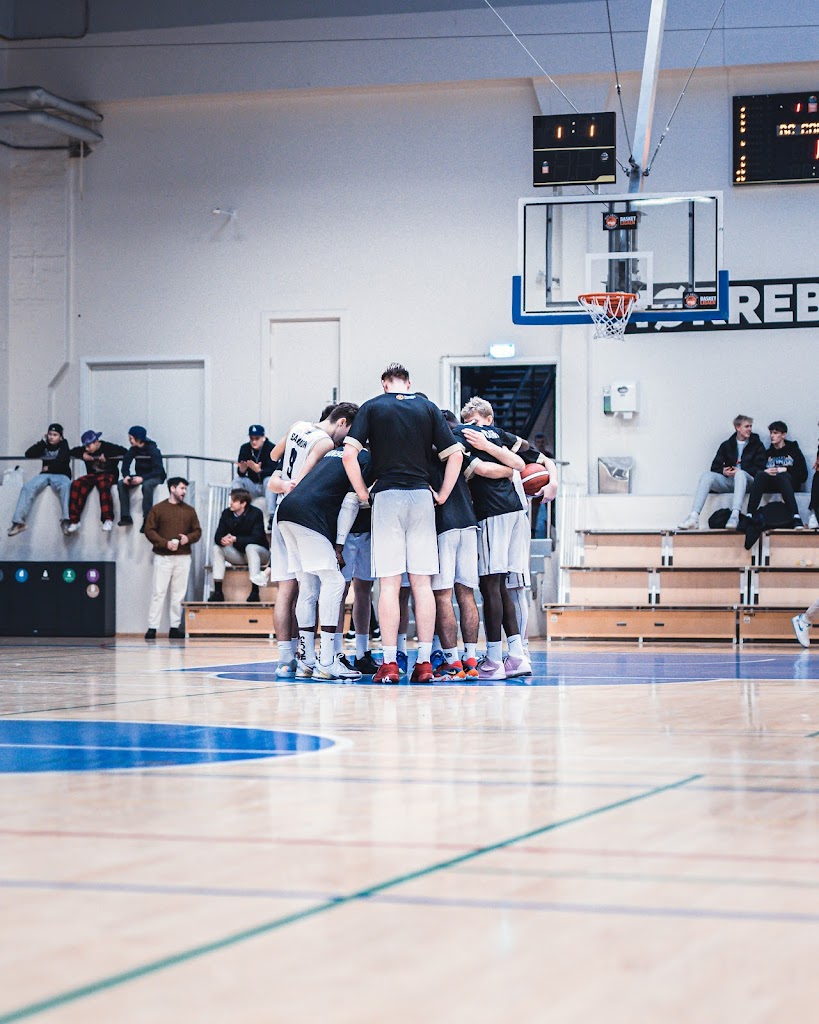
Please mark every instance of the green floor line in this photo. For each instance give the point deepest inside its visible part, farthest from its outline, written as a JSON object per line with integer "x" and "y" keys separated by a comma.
{"x": 93, "y": 988}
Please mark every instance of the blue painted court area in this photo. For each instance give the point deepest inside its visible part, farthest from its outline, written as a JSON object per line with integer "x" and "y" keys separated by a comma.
{"x": 56, "y": 746}
{"x": 592, "y": 668}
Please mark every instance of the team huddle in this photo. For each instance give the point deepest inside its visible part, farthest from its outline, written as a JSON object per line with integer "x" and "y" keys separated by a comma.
{"x": 401, "y": 492}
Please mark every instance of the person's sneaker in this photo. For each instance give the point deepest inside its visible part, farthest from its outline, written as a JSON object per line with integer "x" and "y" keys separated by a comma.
{"x": 513, "y": 666}
{"x": 175, "y": 632}
{"x": 366, "y": 665}
{"x": 350, "y": 634}
{"x": 470, "y": 668}
{"x": 422, "y": 672}
{"x": 65, "y": 526}
{"x": 108, "y": 525}
{"x": 801, "y": 627}
{"x": 303, "y": 670}
{"x": 72, "y": 527}
{"x": 335, "y": 670}
{"x": 345, "y": 661}
{"x": 797, "y": 523}
{"x": 452, "y": 670}
{"x": 260, "y": 579}
{"x": 437, "y": 658}
{"x": 286, "y": 669}
{"x": 490, "y": 670}
{"x": 216, "y": 595}
{"x": 813, "y": 522}
{"x": 150, "y": 634}
{"x": 733, "y": 520}
{"x": 125, "y": 521}
{"x": 376, "y": 633}
{"x": 402, "y": 662}
{"x": 388, "y": 672}
{"x": 16, "y": 528}
{"x": 691, "y": 522}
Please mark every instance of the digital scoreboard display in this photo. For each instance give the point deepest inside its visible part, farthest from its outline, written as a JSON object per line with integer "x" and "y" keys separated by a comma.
{"x": 574, "y": 149}
{"x": 776, "y": 138}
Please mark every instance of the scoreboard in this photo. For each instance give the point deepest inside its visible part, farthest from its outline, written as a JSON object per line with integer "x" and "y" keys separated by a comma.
{"x": 574, "y": 149}
{"x": 776, "y": 138}
{"x": 57, "y": 598}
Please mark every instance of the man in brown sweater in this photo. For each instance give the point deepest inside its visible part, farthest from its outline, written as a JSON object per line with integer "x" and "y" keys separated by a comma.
{"x": 171, "y": 526}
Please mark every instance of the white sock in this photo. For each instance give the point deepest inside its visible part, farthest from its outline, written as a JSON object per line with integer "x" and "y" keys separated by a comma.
{"x": 402, "y": 643}
{"x": 424, "y": 651}
{"x": 389, "y": 654}
{"x": 471, "y": 651}
{"x": 362, "y": 641}
{"x": 494, "y": 651}
{"x": 515, "y": 645}
{"x": 327, "y": 645}
{"x": 287, "y": 650}
{"x": 451, "y": 654}
{"x": 307, "y": 646}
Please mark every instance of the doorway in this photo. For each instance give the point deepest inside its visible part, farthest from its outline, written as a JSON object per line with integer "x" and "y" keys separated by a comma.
{"x": 305, "y": 359}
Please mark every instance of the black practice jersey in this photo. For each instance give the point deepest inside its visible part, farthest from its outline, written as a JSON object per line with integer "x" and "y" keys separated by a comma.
{"x": 400, "y": 429}
{"x": 457, "y": 512}
{"x": 316, "y": 500}
{"x": 489, "y": 497}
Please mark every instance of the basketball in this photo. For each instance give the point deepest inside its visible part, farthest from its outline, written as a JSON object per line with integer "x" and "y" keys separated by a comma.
{"x": 534, "y": 477}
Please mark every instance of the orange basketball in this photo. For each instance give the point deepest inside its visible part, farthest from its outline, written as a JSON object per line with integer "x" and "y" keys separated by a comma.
{"x": 534, "y": 477}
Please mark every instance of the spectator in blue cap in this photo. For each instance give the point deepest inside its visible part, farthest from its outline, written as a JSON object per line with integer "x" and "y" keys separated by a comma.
{"x": 142, "y": 466}
{"x": 255, "y": 466}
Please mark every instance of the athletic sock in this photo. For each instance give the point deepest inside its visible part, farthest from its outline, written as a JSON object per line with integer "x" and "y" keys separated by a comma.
{"x": 494, "y": 651}
{"x": 327, "y": 644}
{"x": 362, "y": 644}
{"x": 424, "y": 651}
{"x": 471, "y": 651}
{"x": 515, "y": 645}
{"x": 307, "y": 646}
{"x": 287, "y": 650}
{"x": 402, "y": 642}
{"x": 451, "y": 654}
{"x": 390, "y": 655}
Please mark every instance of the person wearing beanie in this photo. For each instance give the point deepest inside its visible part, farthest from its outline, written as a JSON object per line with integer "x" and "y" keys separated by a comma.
{"x": 142, "y": 466}
{"x": 52, "y": 449}
{"x": 100, "y": 459}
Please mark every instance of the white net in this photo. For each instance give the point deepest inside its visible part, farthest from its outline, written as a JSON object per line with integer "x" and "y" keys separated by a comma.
{"x": 609, "y": 311}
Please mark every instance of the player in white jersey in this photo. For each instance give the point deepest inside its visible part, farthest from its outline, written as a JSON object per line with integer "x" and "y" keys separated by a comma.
{"x": 301, "y": 448}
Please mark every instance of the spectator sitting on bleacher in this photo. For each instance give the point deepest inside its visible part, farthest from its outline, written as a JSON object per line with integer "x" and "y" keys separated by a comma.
{"x": 785, "y": 471}
{"x": 141, "y": 465}
{"x": 813, "y": 523}
{"x": 255, "y": 467}
{"x": 101, "y": 459}
{"x": 56, "y": 473}
{"x": 739, "y": 458}
{"x": 240, "y": 539}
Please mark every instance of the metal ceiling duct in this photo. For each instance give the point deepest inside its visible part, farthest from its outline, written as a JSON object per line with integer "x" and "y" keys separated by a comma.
{"x": 39, "y": 104}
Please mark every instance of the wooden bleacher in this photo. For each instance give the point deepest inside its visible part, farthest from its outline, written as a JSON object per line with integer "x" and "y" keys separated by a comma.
{"x": 233, "y": 616}
{"x": 697, "y": 585}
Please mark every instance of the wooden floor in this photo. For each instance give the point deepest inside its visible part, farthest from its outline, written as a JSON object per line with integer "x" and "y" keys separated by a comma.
{"x": 631, "y": 838}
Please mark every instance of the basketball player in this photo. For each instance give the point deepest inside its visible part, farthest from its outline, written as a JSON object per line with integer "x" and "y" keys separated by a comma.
{"x": 299, "y": 450}
{"x": 502, "y": 539}
{"x": 314, "y": 520}
{"x": 401, "y": 429}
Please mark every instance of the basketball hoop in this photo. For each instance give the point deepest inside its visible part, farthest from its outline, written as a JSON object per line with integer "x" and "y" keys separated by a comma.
{"x": 610, "y": 311}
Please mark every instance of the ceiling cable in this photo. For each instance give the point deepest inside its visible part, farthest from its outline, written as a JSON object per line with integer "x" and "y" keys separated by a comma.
{"x": 619, "y": 89}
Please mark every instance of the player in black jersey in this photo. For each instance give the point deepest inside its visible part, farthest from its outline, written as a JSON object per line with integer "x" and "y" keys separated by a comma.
{"x": 314, "y": 519}
{"x": 503, "y": 536}
{"x": 401, "y": 428}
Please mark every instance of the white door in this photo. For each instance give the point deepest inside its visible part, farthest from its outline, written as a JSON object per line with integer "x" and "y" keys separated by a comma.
{"x": 168, "y": 399}
{"x": 304, "y": 367}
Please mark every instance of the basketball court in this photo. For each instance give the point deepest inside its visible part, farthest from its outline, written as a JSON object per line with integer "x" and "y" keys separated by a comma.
{"x": 629, "y": 835}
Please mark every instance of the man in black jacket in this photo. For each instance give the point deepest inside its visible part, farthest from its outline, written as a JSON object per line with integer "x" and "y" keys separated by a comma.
{"x": 739, "y": 458}
{"x": 255, "y": 466}
{"x": 785, "y": 471}
{"x": 56, "y": 473}
{"x": 101, "y": 461}
{"x": 240, "y": 539}
{"x": 141, "y": 465}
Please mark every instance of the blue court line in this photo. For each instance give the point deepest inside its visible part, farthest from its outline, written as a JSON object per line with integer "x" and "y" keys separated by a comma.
{"x": 194, "y": 952}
